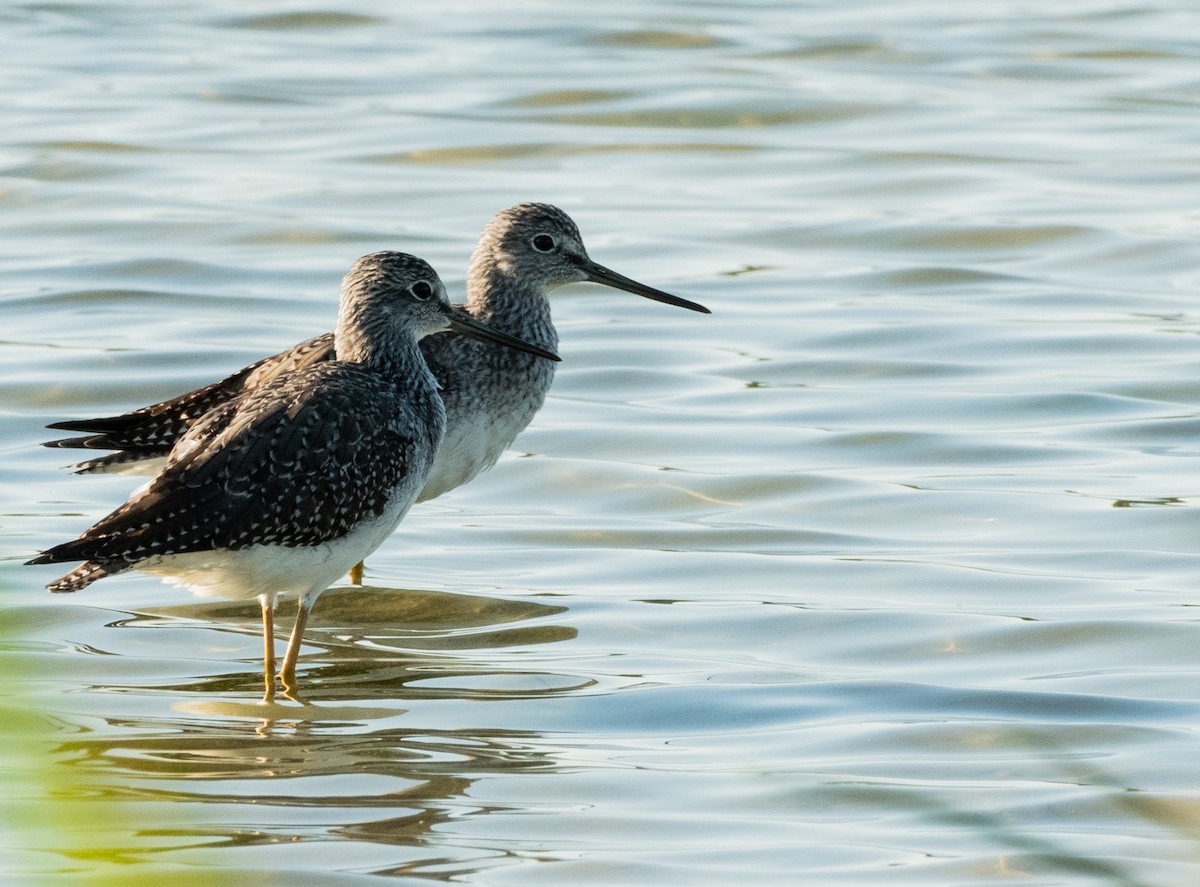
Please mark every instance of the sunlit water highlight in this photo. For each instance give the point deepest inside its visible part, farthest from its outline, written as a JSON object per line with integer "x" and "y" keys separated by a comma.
{"x": 882, "y": 574}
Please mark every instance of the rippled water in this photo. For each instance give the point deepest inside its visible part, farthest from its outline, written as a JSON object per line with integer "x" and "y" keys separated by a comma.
{"x": 881, "y": 574}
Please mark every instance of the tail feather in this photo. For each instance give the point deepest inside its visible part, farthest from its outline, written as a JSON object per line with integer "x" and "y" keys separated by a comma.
{"x": 136, "y": 462}
{"x": 148, "y": 435}
{"x": 91, "y": 442}
{"x": 101, "y": 425}
{"x": 125, "y": 461}
{"x": 95, "y": 566}
{"x": 83, "y": 575}
{"x": 93, "y": 425}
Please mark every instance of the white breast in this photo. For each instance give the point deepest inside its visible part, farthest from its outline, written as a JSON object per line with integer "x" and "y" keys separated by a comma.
{"x": 472, "y": 444}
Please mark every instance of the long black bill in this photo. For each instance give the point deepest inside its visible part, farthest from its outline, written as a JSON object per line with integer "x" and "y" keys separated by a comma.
{"x": 599, "y": 274}
{"x": 463, "y": 323}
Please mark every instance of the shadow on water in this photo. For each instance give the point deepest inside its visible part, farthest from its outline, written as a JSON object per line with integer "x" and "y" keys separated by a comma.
{"x": 382, "y": 645}
{"x": 190, "y": 776}
{"x": 93, "y": 790}
{"x": 219, "y": 786}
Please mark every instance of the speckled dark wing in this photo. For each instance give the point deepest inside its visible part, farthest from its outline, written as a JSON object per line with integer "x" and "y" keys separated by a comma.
{"x": 152, "y": 431}
{"x": 297, "y": 463}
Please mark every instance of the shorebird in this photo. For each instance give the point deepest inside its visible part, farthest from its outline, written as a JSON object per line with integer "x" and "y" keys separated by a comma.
{"x": 491, "y": 394}
{"x": 282, "y": 489}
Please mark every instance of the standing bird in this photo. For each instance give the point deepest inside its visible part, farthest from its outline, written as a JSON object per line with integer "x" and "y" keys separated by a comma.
{"x": 490, "y": 393}
{"x": 283, "y": 488}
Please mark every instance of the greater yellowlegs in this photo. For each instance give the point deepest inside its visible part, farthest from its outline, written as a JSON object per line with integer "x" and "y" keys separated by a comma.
{"x": 491, "y": 394}
{"x": 284, "y": 488}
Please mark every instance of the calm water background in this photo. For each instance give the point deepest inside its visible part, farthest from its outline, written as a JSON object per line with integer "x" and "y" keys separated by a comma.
{"x": 883, "y": 574}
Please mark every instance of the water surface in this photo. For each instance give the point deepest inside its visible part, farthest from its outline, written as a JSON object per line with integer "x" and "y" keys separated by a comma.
{"x": 882, "y": 574}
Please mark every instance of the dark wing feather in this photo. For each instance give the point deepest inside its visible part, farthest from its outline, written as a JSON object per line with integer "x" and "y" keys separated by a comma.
{"x": 153, "y": 430}
{"x": 297, "y": 463}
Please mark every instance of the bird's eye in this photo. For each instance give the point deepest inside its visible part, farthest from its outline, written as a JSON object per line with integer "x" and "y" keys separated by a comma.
{"x": 543, "y": 243}
{"x": 421, "y": 291}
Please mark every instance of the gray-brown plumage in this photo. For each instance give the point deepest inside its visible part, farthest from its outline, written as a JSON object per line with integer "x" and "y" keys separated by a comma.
{"x": 284, "y": 487}
{"x": 491, "y": 394}
{"x": 147, "y": 434}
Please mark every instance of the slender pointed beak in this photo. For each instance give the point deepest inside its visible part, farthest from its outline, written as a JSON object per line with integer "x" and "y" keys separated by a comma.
{"x": 599, "y": 274}
{"x": 463, "y": 323}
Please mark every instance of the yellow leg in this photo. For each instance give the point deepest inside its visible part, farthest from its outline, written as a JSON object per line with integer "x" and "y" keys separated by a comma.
{"x": 268, "y": 620}
{"x": 356, "y": 573}
{"x": 288, "y": 674}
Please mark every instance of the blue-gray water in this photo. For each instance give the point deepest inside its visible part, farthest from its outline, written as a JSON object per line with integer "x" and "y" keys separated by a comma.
{"x": 882, "y": 574}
